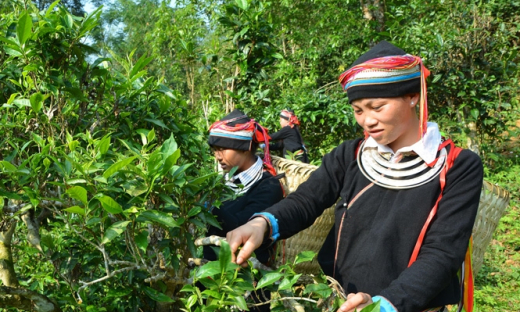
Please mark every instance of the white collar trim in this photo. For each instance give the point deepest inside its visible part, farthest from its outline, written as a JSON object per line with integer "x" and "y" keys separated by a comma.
{"x": 426, "y": 148}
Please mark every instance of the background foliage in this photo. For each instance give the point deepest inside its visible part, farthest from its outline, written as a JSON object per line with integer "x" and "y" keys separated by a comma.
{"x": 103, "y": 163}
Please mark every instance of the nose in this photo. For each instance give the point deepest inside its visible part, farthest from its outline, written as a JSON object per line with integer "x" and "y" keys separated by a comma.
{"x": 369, "y": 121}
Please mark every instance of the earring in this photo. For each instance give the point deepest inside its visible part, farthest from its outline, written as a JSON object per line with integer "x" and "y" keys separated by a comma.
{"x": 411, "y": 103}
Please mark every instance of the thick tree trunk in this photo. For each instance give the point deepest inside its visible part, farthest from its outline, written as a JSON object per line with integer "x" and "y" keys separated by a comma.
{"x": 471, "y": 141}
{"x": 10, "y": 293}
{"x": 25, "y": 299}
{"x": 374, "y": 10}
{"x": 7, "y": 273}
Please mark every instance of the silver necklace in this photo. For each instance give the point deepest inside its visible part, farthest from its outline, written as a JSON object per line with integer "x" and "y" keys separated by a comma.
{"x": 401, "y": 175}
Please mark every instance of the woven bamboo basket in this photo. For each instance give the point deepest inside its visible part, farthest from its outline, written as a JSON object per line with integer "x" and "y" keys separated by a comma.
{"x": 493, "y": 202}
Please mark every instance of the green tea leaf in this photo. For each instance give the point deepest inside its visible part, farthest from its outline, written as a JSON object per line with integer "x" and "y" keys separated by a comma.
{"x": 37, "y": 102}
{"x": 157, "y": 296}
{"x": 7, "y": 166}
{"x": 159, "y": 217}
{"x": 474, "y": 113}
{"x": 243, "y": 4}
{"x": 141, "y": 240}
{"x": 212, "y": 293}
{"x": 373, "y": 307}
{"x": 23, "y": 29}
{"x": 75, "y": 209}
{"x": 110, "y": 205}
{"x": 240, "y": 302}
{"x": 208, "y": 270}
{"x": 114, "y": 231}
{"x": 104, "y": 145}
{"x": 170, "y": 161}
{"x": 287, "y": 283}
{"x": 169, "y": 146}
{"x": 199, "y": 180}
{"x": 51, "y": 7}
{"x": 72, "y": 181}
{"x": 322, "y": 290}
{"x": 135, "y": 188}
{"x": 118, "y": 166}
{"x": 224, "y": 256}
{"x": 269, "y": 279}
{"x": 194, "y": 211}
{"x": 157, "y": 122}
{"x": 304, "y": 256}
{"x": 79, "y": 193}
{"x": 151, "y": 135}
{"x": 141, "y": 63}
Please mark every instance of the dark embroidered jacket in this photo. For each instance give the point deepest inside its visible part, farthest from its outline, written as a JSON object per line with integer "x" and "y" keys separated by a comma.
{"x": 288, "y": 139}
{"x": 232, "y": 214}
{"x": 376, "y": 235}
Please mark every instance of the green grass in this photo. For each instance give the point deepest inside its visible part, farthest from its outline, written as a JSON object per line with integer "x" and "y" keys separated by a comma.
{"x": 497, "y": 285}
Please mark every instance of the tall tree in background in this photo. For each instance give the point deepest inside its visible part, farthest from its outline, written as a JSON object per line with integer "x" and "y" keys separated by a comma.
{"x": 207, "y": 51}
{"x": 76, "y": 7}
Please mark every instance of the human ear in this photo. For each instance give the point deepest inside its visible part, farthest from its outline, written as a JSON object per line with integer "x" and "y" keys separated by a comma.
{"x": 414, "y": 99}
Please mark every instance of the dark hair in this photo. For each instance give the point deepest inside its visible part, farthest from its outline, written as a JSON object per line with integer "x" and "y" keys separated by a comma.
{"x": 254, "y": 147}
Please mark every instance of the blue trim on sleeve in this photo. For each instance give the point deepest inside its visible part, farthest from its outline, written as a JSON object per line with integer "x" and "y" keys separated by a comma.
{"x": 273, "y": 222}
{"x": 385, "y": 305}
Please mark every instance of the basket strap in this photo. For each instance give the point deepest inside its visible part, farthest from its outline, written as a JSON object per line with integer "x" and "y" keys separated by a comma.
{"x": 442, "y": 177}
{"x": 343, "y": 218}
{"x": 466, "y": 303}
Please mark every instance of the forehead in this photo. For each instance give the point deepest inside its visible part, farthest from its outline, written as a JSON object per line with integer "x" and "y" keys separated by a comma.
{"x": 375, "y": 101}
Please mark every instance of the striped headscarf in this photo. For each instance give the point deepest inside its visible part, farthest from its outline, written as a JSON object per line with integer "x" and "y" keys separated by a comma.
{"x": 290, "y": 117}
{"x": 387, "y": 71}
{"x": 238, "y": 131}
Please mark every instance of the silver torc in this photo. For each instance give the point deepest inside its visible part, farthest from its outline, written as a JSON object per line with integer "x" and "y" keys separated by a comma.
{"x": 401, "y": 175}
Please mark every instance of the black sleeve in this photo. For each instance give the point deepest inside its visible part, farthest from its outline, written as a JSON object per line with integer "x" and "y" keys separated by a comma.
{"x": 301, "y": 208}
{"x": 446, "y": 241}
{"x": 267, "y": 193}
{"x": 283, "y": 133}
{"x": 276, "y": 146}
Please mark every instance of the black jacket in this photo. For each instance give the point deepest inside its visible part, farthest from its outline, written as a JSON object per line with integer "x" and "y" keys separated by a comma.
{"x": 264, "y": 193}
{"x": 375, "y": 237}
{"x": 289, "y": 139}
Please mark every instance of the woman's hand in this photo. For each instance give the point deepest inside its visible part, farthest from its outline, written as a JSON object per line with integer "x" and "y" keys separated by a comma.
{"x": 250, "y": 235}
{"x": 355, "y": 302}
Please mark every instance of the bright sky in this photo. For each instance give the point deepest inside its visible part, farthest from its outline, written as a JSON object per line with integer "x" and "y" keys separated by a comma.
{"x": 88, "y": 7}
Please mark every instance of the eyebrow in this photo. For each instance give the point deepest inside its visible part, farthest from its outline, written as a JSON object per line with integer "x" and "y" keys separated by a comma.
{"x": 369, "y": 103}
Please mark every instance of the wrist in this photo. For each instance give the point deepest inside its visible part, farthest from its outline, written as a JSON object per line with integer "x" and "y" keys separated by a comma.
{"x": 271, "y": 224}
{"x": 261, "y": 223}
{"x": 385, "y": 305}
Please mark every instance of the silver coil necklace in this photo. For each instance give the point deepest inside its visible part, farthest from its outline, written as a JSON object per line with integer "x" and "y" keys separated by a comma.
{"x": 408, "y": 173}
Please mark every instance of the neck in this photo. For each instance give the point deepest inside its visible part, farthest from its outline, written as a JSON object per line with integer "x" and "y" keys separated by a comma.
{"x": 409, "y": 137}
{"x": 250, "y": 161}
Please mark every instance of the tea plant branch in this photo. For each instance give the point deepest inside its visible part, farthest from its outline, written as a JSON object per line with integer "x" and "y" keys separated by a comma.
{"x": 133, "y": 248}
{"x": 110, "y": 275}
{"x": 282, "y": 299}
{"x": 294, "y": 305}
{"x": 13, "y": 208}
{"x": 10, "y": 297}
{"x": 88, "y": 241}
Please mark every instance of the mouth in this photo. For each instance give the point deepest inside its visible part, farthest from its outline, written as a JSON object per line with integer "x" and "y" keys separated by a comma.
{"x": 375, "y": 133}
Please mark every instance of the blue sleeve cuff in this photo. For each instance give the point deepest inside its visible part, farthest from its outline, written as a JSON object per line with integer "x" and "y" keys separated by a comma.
{"x": 384, "y": 304}
{"x": 273, "y": 224}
